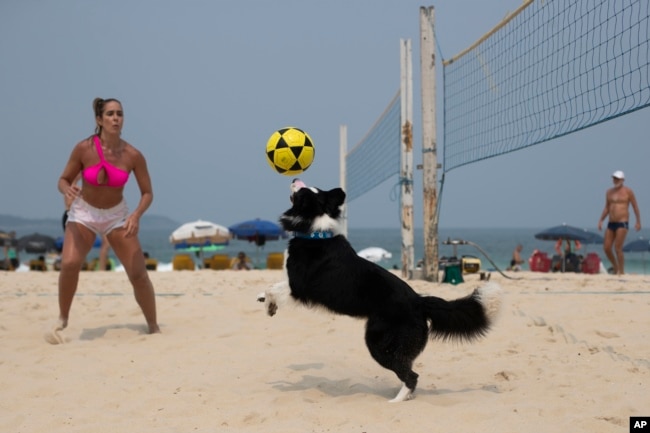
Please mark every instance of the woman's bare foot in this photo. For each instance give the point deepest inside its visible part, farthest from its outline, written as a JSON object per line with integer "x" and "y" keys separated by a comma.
{"x": 54, "y": 336}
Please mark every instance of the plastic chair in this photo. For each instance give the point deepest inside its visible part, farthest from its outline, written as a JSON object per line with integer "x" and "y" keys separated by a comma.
{"x": 275, "y": 261}
{"x": 37, "y": 265}
{"x": 182, "y": 262}
{"x": 219, "y": 262}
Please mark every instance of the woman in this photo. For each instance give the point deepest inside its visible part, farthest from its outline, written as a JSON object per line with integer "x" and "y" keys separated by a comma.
{"x": 97, "y": 208}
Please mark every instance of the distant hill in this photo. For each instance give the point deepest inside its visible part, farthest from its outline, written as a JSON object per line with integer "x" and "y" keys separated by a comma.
{"x": 52, "y": 226}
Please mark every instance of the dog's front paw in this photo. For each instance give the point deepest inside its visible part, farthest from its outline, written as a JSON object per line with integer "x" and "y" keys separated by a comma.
{"x": 261, "y": 297}
{"x": 271, "y": 308}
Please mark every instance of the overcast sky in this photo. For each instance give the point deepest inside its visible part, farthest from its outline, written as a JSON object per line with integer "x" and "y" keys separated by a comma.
{"x": 204, "y": 83}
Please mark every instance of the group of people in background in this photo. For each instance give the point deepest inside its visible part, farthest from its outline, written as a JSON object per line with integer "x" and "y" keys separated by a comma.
{"x": 618, "y": 200}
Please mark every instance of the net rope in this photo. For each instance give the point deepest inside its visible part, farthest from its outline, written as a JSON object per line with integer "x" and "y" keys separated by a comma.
{"x": 552, "y": 68}
{"x": 376, "y": 157}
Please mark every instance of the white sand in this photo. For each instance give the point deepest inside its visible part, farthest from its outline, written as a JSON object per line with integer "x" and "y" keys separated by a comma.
{"x": 570, "y": 352}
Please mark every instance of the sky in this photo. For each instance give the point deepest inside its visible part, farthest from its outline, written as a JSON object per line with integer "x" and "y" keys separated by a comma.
{"x": 204, "y": 83}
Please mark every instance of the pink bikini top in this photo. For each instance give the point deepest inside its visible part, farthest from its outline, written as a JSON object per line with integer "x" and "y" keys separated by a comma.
{"x": 115, "y": 177}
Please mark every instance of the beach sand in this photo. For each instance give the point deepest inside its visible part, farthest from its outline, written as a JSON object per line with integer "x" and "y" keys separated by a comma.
{"x": 570, "y": 352}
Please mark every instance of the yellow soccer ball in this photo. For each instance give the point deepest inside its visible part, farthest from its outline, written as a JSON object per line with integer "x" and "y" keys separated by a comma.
{"x": 290, "y": 151}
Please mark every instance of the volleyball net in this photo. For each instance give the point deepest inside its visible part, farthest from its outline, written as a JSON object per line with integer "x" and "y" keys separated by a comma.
{"x": 548, "y": 69}
{"x": 376, "y": 157}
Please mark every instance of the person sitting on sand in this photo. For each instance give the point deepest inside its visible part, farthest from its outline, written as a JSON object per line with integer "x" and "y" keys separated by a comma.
{"x": 242, "y": 262}
{"x": 516, "y": 261}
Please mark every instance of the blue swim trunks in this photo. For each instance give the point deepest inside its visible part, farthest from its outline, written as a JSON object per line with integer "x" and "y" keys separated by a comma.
{"x": 618, "y": 225}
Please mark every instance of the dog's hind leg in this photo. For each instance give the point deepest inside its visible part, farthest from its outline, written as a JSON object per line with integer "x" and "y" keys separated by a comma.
{"x": 395, "y": 347}
{"x": 274, "y": 297}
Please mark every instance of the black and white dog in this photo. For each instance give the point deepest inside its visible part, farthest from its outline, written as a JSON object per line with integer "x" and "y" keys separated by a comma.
{"x": 324, "y": 270}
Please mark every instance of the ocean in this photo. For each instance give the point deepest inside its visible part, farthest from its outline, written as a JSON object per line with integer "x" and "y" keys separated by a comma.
{"x": 497, "y": 243}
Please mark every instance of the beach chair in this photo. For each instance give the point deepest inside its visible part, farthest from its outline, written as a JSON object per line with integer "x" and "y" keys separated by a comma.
{"x": 219, "y": 262}
{"x": 37, "y": 265}
{"x": 182, "y": 262}
{"x": 151, "y": 264}
{"x": 275, "y": 261}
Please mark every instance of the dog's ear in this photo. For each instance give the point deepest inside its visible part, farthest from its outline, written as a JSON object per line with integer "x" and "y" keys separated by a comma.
{"x": 336, "y": 196}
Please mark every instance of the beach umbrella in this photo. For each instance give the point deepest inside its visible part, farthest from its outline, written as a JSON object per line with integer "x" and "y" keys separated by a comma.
{"x": 570, "y": 233}
{"x": 7, "y": 240}
{"x": 638, "y": 246}
{"x": 257, "y": 231}
{"x": 200, "y": 234}
{"x": 374, "y": 254}
{"x": 37, "y": 243}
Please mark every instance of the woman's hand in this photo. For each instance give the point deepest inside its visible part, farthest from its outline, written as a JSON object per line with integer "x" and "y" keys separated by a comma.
{"x": 132, "y": 225}
{"x": 71, "y": 194}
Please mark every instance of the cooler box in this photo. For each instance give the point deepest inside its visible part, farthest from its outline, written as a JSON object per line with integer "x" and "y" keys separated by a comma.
{"x": 471, "y": 265}
{"x": 453, "y": 273}
{"x": 539, "y": 262}
{"x": 591, "y": 264}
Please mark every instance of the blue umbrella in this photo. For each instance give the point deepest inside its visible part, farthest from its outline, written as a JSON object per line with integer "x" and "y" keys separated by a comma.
{"x": 258, "y": 231}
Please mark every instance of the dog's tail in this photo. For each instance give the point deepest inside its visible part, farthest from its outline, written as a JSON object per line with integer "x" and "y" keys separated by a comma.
{"x": 465, "y": 318}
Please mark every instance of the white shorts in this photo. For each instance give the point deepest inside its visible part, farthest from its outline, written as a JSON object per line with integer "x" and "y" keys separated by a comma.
{"x": 101, "y": 221}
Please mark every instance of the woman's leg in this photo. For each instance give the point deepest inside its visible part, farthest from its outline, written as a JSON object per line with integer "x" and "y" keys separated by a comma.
{"x": 77, "y": 243}
{"x": 129, "y": 252}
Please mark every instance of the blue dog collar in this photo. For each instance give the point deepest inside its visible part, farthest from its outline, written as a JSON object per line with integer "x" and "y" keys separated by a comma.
{"x": 326, "y": 234}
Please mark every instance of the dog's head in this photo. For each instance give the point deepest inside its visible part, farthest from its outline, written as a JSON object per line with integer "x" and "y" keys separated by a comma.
{"x": 313, "y": 210}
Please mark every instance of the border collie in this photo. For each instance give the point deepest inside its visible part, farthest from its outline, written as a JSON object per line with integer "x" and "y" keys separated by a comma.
{"x": 324, "y": 270}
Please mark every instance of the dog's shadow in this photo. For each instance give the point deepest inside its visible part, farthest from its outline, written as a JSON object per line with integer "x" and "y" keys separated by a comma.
{"x": 345, "y": 387}
{"x": 89, "y": 334}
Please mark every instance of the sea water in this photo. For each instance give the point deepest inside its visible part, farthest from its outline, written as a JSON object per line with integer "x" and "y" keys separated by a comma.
{"x": 497, "y": 244}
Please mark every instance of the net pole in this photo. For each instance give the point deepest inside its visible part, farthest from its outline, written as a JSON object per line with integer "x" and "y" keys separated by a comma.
{"x": 429, "y": 156}
{"x": 406, "y": 158}
{"x": 343, "y": 150}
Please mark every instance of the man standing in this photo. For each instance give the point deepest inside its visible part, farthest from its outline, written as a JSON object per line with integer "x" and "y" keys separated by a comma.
{"x": 617, "y": 209}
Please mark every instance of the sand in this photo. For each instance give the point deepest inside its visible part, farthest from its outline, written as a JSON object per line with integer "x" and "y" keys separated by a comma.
{"x": 570, "y": 352}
